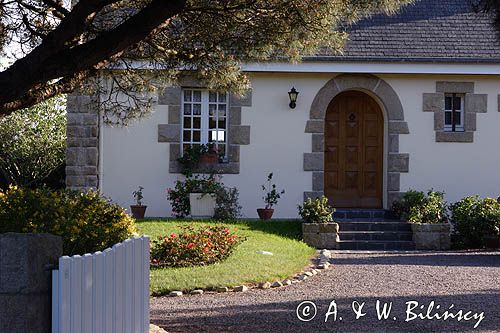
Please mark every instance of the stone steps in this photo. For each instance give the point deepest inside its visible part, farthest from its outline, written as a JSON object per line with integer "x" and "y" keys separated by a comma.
{"x": 372, "y": 229}
{"x": 376, "y": 245}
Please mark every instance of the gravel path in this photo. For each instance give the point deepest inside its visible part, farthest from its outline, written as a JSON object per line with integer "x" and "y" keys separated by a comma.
{"x": 469, "y": 280}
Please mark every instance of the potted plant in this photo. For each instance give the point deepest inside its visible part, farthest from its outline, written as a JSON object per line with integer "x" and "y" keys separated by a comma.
{"x": 319, "y": 230}
{"x": 139, "y": 209}
{"x": 208, "y": 154}
{"x": 271, "y": 197}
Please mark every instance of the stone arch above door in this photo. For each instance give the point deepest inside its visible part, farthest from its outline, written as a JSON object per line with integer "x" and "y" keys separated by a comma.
{"x": 397, "y": 162}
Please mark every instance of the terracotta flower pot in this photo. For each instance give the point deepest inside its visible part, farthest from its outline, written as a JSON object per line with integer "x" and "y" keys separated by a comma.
{"x": 138, "y": 211}
{"x": 209, "y": 158}
{"x": 265, "y": 213}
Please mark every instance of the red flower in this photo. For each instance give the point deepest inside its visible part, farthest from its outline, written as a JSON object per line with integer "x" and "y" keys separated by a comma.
{"x": 227, "y": 230}
{"x": 190, "y": 245}
{"x": 173, "y": 235}
{"x": 206, "y": 249}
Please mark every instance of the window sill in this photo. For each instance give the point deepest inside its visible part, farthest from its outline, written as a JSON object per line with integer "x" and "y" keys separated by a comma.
{"x": 215, "y": 168}
{"x": 454, "y": 136}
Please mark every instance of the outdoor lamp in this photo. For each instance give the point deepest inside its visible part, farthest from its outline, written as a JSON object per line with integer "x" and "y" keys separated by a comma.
{"x": 292, "y": 94}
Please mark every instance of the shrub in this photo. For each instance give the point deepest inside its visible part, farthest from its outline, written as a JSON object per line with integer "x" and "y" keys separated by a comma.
{"x": 416, "y": 207}
{"x": 200, "y": 247}
{"x": 86, "y": 221}
{"x": 473, "y": 219}
{"x": 316, "y": 211}
{"x": 226, "y": 198}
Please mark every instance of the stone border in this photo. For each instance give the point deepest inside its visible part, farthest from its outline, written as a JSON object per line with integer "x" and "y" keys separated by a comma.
{"x": 321, "y": 262}
{"x": 238, "y": 134}
{"x": 82, "y": 143}
{"x": 397, "y": 162}
{"x": 473, "y": 104}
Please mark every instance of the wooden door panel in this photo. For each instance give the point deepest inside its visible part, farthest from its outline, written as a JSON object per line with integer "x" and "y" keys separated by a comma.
{"x": 354, "y": 151}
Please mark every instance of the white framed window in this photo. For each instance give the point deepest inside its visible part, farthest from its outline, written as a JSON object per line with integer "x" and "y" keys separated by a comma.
{"x": 454, "y": 112}
{"x": 205, "y": 119}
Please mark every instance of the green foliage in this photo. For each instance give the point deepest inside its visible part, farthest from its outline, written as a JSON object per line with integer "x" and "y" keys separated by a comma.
{"x": 474, "y": 219}
{"x": 86, "y": 221}
{"x": 416, "y": 207}
{"x": 190, "y": 158}
{"x": 271, "y": 194}
{"x": 33, "y": 142}
{"x": 316, "y": 211}
{"x": 228, "y": 207}
{"x": 138, "y": 195}
{"x": 200, "y": 247}
{"x": 226, "y": 198}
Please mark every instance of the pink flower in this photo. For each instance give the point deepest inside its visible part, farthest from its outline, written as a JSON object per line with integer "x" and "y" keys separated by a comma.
{"x": 190, "y": 245}
{"x": 173, "y": 235}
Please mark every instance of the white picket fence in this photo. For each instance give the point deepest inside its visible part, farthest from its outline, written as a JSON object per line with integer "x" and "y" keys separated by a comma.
{"x": 104, "y": 292}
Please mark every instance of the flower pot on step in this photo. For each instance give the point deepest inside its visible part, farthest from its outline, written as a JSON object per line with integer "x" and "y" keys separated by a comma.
{"x": 138, "y": 211}
{"x": 265, "y": 213}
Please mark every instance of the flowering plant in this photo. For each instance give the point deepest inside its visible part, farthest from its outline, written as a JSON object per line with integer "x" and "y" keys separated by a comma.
{"x": 194, "y": 247}
{"x": 271, "y": 194}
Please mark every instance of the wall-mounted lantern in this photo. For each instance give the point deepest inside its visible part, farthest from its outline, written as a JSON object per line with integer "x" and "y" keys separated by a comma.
{"x": 292, "y": 94}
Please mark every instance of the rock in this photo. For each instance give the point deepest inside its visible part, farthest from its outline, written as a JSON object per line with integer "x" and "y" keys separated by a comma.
{"x": 295, "y": 281}
{"x": 240, "y": 288}
{"x": 323, "y": 266}
{"x": 267, "y": 253}
{"x": 196, "y": 292}
{"x": 308, "y": 274}
{"x": 265, "y": 285}
{"x": 314, "y": 272}
{"x": 175, "y": 293}
{"x": 156, "y": 329}
{"x": 287, "y": 282}
{"x": 302, "y": 277}
{"x": 277, "y": 284}
{"x": 326, "y": 253}
{"x": 222, "y": 289}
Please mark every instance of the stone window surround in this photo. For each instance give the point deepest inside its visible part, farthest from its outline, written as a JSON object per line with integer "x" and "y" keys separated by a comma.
{"x": 392, "y": 108}
{"x": 238, "y": 134}
{"x": 473, "y": 104}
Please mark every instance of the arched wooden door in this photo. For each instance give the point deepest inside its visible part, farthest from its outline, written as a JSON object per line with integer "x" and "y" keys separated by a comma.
{"x": 354, "y": 149}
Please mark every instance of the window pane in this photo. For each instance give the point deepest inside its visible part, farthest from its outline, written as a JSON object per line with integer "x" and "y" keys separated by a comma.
{"x": 196, "y": 136}
{"x": 458, "y": 121}
{"x": 222, "y": 97}
{"x": 211, "y": 109}
{"x": 187, "y": 95}
{"x": 212, "y": 96}
{"x": 222, "y": 123}
{"x": 185, "y": 146}
{"x": 212, "y": 123}
{"x": 196, "y": 96}
{"x": 186, "y": 136}
{"x": 447, "y": 118}
{"x": 187, "y": 122}
{"x": 187, "y": 109}
{"x": 197, "y": 122}
{"x": 457, "y": 103}
{"x": 217, "y": 136}
{"x": 197, "y": 109}
{"x": 447, "y": 103}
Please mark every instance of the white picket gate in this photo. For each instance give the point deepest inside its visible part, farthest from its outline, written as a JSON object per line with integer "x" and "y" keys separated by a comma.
{"x": 104, "y": 292}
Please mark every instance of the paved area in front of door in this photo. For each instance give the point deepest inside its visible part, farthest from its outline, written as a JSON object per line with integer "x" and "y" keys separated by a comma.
{"x": 467, "y": 281}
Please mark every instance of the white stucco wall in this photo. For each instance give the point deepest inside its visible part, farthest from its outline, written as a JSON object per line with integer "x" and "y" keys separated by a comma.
{"x": 132, "y": 156}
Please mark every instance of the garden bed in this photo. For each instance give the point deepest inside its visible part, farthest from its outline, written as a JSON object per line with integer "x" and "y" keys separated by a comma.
{"x": 245, "y": 266}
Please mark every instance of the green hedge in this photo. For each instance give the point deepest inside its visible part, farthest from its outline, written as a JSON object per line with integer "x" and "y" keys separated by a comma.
{"x": 87, "y": 222}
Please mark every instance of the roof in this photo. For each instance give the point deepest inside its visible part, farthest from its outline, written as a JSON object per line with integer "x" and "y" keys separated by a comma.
{"x": 426, "y": 31}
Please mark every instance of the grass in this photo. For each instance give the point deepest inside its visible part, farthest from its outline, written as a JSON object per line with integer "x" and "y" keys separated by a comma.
{"x": 245, "y": 265}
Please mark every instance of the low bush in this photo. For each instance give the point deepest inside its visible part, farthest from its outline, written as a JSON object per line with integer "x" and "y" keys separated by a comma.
{"x": 194, "y": 247}
{"x": 87, "y": 222}
{"x": 316, "y": 211}
{"x": 226, "y": 197}
{"x": 417, "y": 207}
{"x": 474, "y": 219}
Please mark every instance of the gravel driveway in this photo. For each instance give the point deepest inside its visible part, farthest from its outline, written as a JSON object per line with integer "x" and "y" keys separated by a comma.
{"x": 468, "y": 280}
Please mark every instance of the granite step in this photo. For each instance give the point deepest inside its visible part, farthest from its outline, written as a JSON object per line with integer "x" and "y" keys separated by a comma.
{"x": 363, "y": 214}
{"x": 386, "y": 225}
{"x": 376, "y": 245}
{"x": 376, "y": 236}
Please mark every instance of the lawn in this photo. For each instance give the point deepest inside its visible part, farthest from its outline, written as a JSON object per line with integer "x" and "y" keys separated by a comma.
{"x": 245, "y": 265}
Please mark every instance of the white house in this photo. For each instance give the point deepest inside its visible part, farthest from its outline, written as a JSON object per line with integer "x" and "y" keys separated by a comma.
{"x": 412, "y": 104}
